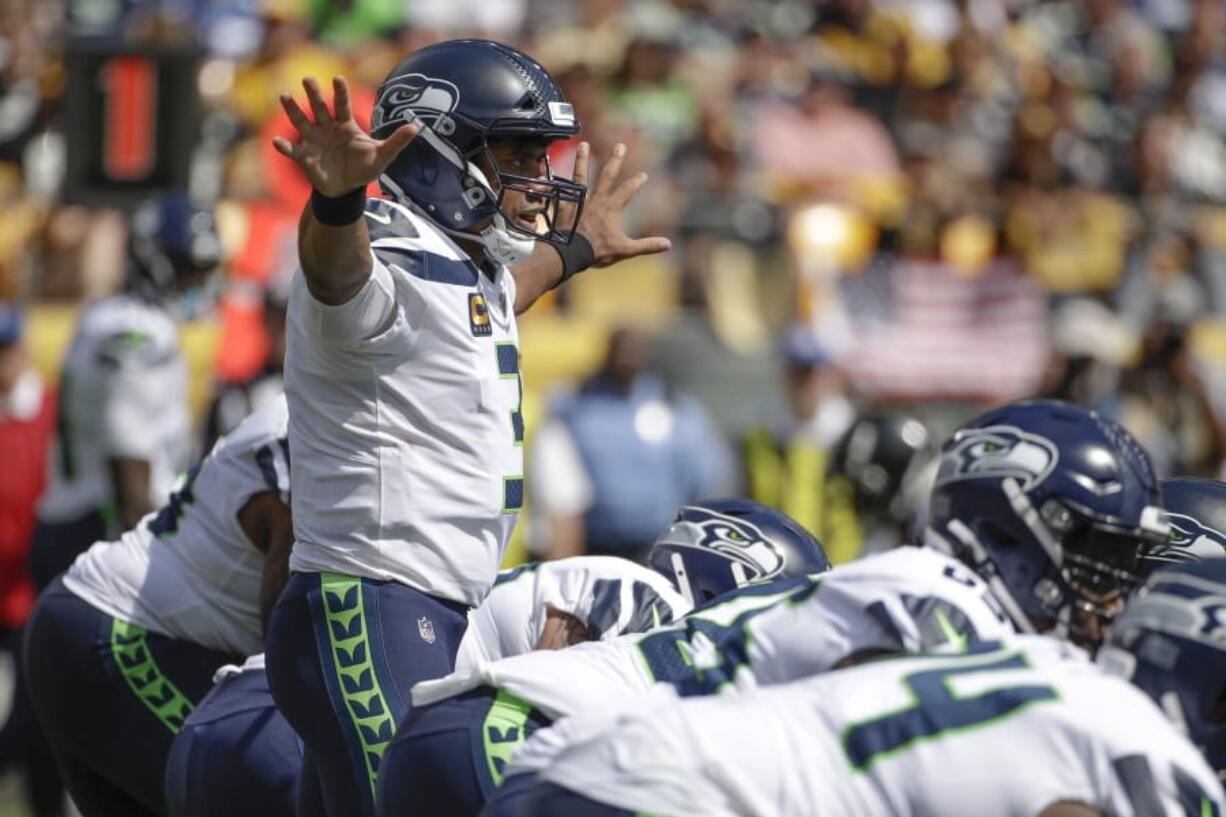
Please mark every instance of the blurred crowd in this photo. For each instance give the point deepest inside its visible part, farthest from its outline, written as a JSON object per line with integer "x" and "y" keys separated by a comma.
{"x": 885, "y": 213}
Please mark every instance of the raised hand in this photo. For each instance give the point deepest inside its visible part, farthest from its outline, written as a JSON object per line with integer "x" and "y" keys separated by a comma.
{"x": 601, "y": 221}
{"x": 336, "y": 155}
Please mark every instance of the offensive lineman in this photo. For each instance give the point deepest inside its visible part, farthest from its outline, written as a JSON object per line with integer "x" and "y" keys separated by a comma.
{"x": 1039, "y": 453}
{"x": 1023, "y": 728}
{"x": 237, "y": 756}
{"x": 448, "y": 758}
{"x": 124, "y": 644}
{"x": 404, "y": 382}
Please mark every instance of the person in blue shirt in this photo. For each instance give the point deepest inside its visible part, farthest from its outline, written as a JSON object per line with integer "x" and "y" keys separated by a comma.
{"x": 615, "y": 458}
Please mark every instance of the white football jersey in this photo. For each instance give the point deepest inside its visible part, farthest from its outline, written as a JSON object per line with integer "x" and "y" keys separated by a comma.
{"x": 405, "y": 417}
{"x": 1007, "y": 730}
{"x": 904, "y": 600}
{"x": 189, "y": 571}
{"x": 596, "y": 674}
{"x": 610, "y": 595}
{"x": 908, "y": 599}
{"x": 122, "y": 394}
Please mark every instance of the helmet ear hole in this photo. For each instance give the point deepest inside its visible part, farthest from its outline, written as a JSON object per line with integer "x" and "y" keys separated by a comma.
{"x": 999, "y": 536}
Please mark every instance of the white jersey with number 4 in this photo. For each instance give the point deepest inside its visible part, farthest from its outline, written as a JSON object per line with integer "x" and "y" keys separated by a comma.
{"x": 609, "y": 595}
{"x": 405, "y": 423}
{"x": 123, "y": 395}
{"x": 189, "y": 571}
{"x": 905, "y": 600}
{"x": 1005, "y": 730}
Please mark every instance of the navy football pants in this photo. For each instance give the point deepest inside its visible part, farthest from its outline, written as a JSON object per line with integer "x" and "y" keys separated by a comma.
{"x": 343, "y": 653}
{"x": 448, "y": 758}
{"x": 236, "y": 755}
{"x": 111, "y": 697}
{"x": 524, "y": 799}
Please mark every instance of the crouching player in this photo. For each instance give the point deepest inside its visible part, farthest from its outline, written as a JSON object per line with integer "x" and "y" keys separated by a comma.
{"x": 930, "y": 734}
{"x": 447, "y": 758}
{"x": 237, "y": 756}
{"x": 123, "y": 646}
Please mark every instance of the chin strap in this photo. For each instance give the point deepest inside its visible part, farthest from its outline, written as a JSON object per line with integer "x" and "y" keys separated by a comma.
{"x": 983, "y": 566}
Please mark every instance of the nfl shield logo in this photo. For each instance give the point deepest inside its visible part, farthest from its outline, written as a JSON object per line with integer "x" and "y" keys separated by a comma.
{"x": 425, "y": 628}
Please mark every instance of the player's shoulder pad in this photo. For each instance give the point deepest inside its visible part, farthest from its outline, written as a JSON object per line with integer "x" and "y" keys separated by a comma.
{"x": 387, "y": 219}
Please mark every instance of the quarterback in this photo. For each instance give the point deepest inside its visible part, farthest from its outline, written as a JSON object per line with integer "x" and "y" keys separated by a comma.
{"x": 403, "y": 377}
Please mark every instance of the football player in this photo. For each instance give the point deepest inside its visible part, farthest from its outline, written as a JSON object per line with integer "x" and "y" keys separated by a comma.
{"x": 447, "y": 758}
{"x": 1023, "y": 728}
{"x": 236, "y": 754}
{"x": 1171, "y": 642}
{"x": 402, "y": 368}
{"x": 993, "y": 472}
{"x": 122, "y": 647}
{"x": 1196, "y": 509}
{"x": 236, "y": 734}
{"x": 123, "y": 421}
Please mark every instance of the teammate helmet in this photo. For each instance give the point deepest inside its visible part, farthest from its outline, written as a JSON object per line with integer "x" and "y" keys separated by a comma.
{"x": 1050, "y": 504}
{"x": 1196, "y": 509}
{"x": 170, "y": 241}
{"x": 466, "y": 94}
{"x": 716, "y": 546}
{"x": 1171, "y": 643}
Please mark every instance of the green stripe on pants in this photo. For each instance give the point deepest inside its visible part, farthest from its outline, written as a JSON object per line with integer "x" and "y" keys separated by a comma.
{"x": 351, "y": 658}
{"x": 130, "y": 649}
{"x": 503, "y": 731}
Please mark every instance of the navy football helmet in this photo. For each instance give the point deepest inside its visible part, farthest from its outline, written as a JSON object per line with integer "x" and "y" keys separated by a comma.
{"x": 716, "y": 546}
{"x": 1196, "y": 509}
{"x": 1051, "y": 504}
{"x": 466, "y": 94}
{"x": 173, "y": 244}
{"x": 1171, "y": 642}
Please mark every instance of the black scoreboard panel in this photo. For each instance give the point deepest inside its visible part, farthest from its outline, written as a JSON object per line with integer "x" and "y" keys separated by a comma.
{"x": 132, "y": 121}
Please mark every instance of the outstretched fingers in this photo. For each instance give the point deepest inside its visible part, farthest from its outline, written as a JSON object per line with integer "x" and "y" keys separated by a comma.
{"x": 340, "y": 99}
{"x": 284, "y": 147}
{"x": 400, "y": 138}
{"x": 316, "y": 98}
{"x": 296, "y": 117}
{"x": 583, "y": 162}
{"x": 626, "y": 190}
{"x": 611, "y": 169}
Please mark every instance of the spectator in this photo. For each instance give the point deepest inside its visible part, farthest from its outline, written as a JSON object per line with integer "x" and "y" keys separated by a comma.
{"x": 27, "y": 417}
{"x": 616, "y": 459}
{"x": 785, "y": 462}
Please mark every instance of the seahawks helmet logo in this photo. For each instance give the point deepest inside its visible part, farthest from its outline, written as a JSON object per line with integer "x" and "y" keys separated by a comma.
{"x": 999, "y": 451}
{"x": 734, "y": 539}
{"x": 1190, "y": 541}
{"x": 429, "y": 98}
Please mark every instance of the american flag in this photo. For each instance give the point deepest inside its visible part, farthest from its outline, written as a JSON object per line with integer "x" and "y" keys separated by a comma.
{"x": 921, "y": 331}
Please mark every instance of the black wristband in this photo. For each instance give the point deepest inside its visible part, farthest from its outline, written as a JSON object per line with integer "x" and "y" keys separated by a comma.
{"x": 338, "y": 211}
{"x": 576, "y": 256}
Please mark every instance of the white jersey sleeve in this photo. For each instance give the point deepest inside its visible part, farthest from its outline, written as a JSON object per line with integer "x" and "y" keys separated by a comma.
{"x": 609, "y": 595}
{"x": 905, "y": 600}
{"x": 189, "y": 571}
{"x": 1004, "y": 730}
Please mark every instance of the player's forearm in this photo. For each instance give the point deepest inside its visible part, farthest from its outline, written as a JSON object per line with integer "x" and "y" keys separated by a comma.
{"x": 548, "y": 266}
{"x": 536, "y": 275}
{"x": 336, "y": 260}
